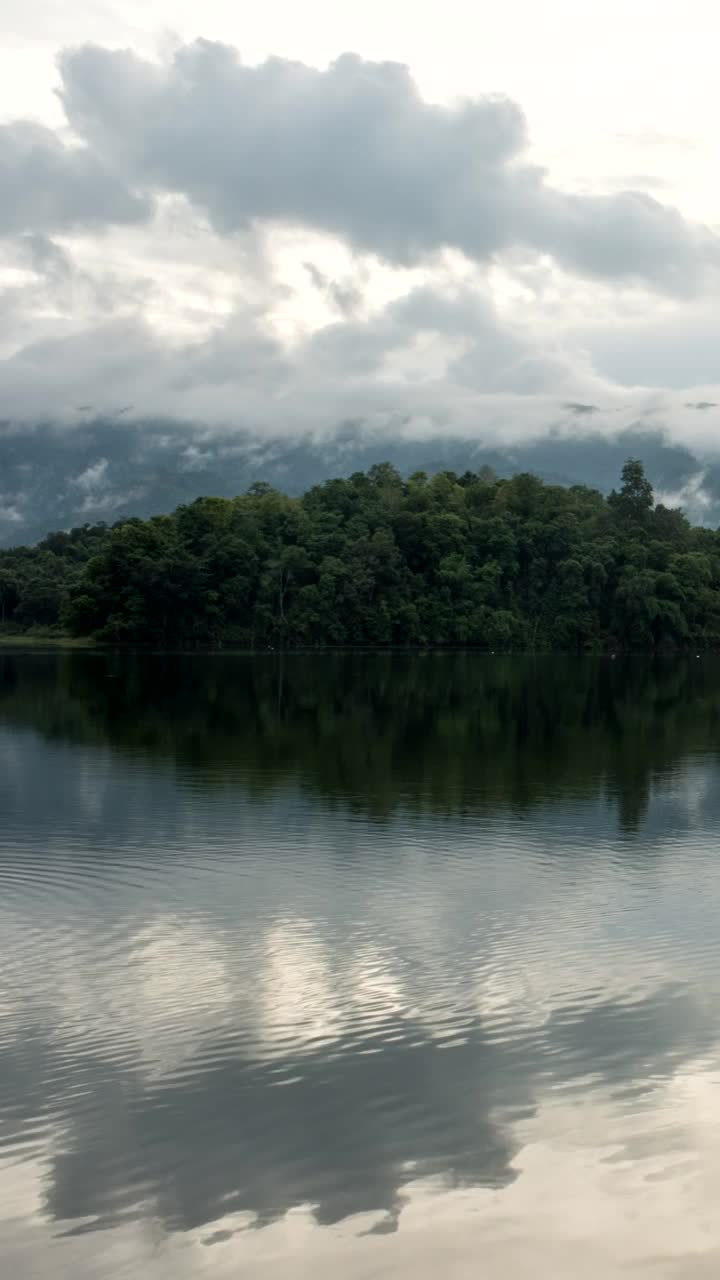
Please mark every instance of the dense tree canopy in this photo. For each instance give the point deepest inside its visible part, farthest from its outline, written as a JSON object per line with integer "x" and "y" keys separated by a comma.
{"x": 378, "y": 560}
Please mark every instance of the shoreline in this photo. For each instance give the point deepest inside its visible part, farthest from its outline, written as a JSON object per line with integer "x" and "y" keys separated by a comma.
{"x": 86, "y": 643}
{"x": 48, "y": 642}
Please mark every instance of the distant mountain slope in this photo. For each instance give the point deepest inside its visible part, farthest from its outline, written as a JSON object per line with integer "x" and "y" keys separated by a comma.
{"x": 54, "y": 479}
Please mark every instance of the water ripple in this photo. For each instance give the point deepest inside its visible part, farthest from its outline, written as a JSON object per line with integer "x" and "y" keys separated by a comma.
{"x": 223, "y": 1001}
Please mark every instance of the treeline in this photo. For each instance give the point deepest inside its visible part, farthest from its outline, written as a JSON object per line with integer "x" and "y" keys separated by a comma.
{"x": 37, "y": 583}
{"x": 377, "y": 560}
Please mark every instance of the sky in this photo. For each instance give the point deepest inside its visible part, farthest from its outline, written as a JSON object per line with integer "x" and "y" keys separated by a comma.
{"x": 469, "y": 218}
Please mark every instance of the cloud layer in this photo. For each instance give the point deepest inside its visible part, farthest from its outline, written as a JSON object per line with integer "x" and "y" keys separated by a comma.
{"x": 48, "y": 186}
{"x": 356, "y": 152}
{"x": 277, "y": 250}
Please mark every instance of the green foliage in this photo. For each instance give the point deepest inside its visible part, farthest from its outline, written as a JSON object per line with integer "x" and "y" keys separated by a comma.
{"x": 36, "y": 582}
{"x": 377, "y": 560}
{"x": 635, "y": 500}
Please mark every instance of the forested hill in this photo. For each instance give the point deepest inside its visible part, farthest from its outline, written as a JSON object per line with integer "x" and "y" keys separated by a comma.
{"x": 377, "y": 560}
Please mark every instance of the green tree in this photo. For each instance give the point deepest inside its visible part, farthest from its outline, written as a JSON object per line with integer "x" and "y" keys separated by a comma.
{"x": 378, "y": 560}
{"x": 635, "y": 500}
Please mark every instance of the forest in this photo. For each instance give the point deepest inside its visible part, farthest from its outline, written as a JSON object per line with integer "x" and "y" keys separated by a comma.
{"x": 377, "y": 560}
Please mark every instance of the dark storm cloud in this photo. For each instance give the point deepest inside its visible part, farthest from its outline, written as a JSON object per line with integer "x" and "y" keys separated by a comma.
{"x": 49, "y": 186}
{"x": 355, "y": 151}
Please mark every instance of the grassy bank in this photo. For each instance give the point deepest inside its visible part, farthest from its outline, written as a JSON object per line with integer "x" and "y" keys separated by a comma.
{"x": 33, "y": 640}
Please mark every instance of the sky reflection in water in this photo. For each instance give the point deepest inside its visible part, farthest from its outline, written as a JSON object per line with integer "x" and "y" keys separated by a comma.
{"x": 358, "y": 966}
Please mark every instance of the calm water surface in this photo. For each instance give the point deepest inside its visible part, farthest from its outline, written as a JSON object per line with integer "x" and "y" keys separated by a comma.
{"x": 359, "y": 966}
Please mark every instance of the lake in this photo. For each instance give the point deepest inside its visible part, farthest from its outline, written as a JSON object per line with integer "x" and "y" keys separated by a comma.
{"x": 359, "y": 966}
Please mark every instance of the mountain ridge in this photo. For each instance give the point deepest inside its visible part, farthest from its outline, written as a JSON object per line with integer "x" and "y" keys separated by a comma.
{"x": 53, "y": 478}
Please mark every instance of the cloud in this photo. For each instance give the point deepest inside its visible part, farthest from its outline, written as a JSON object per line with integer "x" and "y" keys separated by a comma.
{"x": 47, "y": 294}
{"x": 250, "y": 261}
{"x": 438, "y": 362}
{"x": 356, "y": 152}
{"x": 93, "y": 477}
{"x": 240, "y": 375}
{"x": 438, "y": 359}
{"x": 437, "y": 376}
{"x": 9, "y": 515}
{"x": 672, "y": 348}
{"x": 343, "y": 295}
{"x": 48, "y": 186}
{"x": 692, "y": 496}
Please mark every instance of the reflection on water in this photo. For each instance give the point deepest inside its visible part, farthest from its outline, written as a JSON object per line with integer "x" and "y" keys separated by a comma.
{"x": 360, "y": 965}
